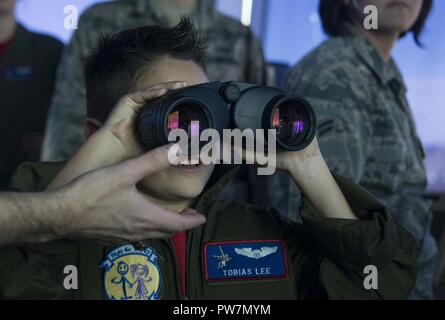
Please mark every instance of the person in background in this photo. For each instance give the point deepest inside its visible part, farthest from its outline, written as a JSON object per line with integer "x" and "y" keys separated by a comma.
{"x": 233, "y": 53}
{"x": 27, "y": 70}
{"x": 366, "y": 129}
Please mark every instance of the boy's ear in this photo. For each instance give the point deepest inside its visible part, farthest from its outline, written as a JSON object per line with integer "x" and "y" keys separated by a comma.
{"x": 91, "y": 126}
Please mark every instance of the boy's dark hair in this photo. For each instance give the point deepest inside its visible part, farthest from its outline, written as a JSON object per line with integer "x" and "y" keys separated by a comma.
{"x": 112, "y": 70}
{"x": 336, "y": 15}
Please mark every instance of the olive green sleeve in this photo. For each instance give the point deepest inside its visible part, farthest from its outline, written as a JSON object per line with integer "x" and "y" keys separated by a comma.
{"x": 36, "y": 271}
{"x": 345, "y": 247}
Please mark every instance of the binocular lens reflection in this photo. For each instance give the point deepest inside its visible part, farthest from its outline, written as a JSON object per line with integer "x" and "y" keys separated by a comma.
{"x": 188, "y": 118}
{"x": 289, "y": 122}
{"x": 212, "y": 106}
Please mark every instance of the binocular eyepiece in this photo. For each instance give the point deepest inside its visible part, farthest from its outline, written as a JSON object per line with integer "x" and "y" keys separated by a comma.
{"x": 229, "y": 105}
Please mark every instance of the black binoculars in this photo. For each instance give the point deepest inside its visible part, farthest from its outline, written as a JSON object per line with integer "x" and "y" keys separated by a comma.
{"x": 229, "y": 105}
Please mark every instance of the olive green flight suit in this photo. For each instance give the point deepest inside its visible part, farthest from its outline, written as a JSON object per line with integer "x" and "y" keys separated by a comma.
{"x": 321, "y": 257}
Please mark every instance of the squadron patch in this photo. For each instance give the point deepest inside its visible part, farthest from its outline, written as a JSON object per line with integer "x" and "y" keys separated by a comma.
{"x": 131, "y": 274}
{"x": 245, "y": 260}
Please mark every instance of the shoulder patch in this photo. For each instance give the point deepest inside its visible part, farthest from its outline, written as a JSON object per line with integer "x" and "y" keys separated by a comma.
{"x": 245, "y": 260}
{"x": 131, "y": 274}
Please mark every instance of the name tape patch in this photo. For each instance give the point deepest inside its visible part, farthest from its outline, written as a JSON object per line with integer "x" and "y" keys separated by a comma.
{"x": 245, "y": 260}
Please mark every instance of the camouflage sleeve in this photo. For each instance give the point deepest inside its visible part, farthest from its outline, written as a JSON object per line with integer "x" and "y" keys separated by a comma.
{"x": 64, "y": 132}
{"x": 256, "y": 66}
{"x": 343, "y": 125}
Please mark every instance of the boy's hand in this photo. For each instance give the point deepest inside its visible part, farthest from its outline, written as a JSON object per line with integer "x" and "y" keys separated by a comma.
{"x": 105, "y": 205}
{"x": 120, "y": 124}
{"x": 286, "y": 160}
{"x": 116, "y": 140}
{"x": 310, "y": 172}
{"x": 298, "y": 160}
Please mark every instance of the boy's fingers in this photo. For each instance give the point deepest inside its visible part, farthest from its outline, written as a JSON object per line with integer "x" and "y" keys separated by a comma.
{"x": 149, "y": 163}
{"x": 139, "y": 98}
{"x": 172, "y": 85}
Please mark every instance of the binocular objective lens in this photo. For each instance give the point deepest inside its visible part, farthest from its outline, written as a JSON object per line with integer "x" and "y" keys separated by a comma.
{"x": 289, "y": 122}
{"x": 189, "y": 118}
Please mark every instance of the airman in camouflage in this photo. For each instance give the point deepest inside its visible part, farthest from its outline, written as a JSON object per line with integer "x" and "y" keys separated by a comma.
{"x": 367, "y": 133}
{"x": 234, "y": 53}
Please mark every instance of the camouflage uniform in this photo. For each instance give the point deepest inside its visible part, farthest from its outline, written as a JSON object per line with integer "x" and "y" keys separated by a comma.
{"x": 367, "y": 133}
{"x": 233, "y": 53}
